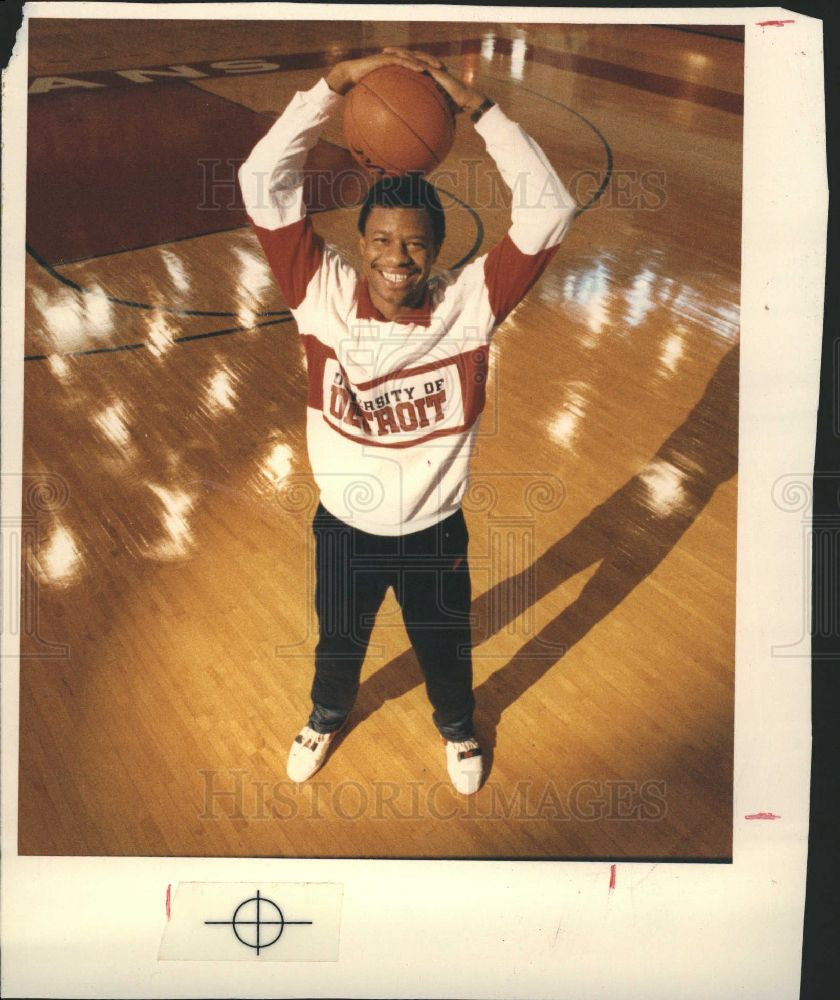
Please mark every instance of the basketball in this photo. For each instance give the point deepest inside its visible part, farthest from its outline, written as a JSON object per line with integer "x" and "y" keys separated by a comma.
{"x": 398, "y": 121}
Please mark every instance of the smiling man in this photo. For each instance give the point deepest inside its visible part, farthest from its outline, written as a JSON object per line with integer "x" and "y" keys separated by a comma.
{"x": 402, "y": 227}
{"x": 396, "y": 367}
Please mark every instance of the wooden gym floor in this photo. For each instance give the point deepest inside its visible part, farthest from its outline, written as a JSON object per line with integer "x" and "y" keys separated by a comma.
{"x": 167, "y": 581}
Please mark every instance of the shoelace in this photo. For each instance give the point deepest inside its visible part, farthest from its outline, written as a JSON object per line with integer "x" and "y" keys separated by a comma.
{"x": 466, "y": 749}
{"x": 311, "y": 739}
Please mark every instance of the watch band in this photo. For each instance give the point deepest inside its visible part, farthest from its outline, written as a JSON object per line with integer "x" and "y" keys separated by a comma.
{"x": 485, "y": 106}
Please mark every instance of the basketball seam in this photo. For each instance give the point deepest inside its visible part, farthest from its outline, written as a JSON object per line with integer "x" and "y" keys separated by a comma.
{"x": 407, "y": 125}
{"x": 435, "y": 92}
{"x": 383, "y": 160}
{"x": 397, "y": 114}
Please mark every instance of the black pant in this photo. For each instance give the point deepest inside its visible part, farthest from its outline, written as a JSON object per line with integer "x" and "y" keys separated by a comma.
{"x": 431, "y": 579}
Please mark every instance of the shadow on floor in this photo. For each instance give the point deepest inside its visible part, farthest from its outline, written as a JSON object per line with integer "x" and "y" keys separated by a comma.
{"x": 629, "y": 535}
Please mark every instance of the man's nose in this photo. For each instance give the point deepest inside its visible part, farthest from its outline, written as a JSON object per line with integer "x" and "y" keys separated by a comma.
{"x": 398, "y": 253}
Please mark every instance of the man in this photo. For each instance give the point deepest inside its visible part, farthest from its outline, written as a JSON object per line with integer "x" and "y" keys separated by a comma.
{"x": 396, "y": 371}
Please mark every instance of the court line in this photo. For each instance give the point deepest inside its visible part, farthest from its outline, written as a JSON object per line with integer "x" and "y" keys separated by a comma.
{"x": 147, "y": 246}
{"x": 608, "y": 169}
{"x": 282, "y": 62}
{"x": 600, "y": 69}
{"x": 629, "y": 76}
{"x": 697, "y": 29}
{"x": 175, "y": 340}
{"x": 130, "y": 303}
{"x": 283, "y": 316}
{"x": 234, "y": 162}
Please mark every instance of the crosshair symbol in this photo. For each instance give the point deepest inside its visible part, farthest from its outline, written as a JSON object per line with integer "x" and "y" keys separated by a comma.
{"x": 253, "y": 936}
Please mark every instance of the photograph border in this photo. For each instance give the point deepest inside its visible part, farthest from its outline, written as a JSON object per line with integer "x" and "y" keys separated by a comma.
{"x": 518, "y": 902}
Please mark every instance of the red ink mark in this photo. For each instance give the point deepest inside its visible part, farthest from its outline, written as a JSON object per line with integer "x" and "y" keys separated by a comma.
{"x": 774, "y": 24}
{"x": 457, "y": 562}
{"x": 762, "y": 816}
{"x": 169, "y": 902}
{"x": 612, "y": 877}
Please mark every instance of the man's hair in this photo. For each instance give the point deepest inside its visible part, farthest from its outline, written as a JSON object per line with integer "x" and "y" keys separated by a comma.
{"x": 408, "y": 191}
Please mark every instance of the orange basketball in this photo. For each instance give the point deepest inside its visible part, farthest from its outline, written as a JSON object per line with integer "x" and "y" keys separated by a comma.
{"x": 398, "y": 121}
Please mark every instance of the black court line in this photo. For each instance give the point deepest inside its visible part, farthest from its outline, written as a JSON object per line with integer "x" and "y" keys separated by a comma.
{"x": 175, "y": 340}
{"x": 129, "y": 302}
{"x": 192, "y": 236}
{"x": 282, "y": 316}
{"x": 479, "y": 230}
{"x": 608, "y": 169}
{"x": 698, "y": 30}
{"x": 148, "y": 246}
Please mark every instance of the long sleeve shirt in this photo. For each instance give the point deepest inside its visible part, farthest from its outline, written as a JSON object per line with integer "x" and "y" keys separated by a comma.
{"x": 393, "y": 406}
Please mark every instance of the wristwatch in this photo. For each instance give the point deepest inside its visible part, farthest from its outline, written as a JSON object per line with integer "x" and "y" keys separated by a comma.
{"x": 485, "y": 106}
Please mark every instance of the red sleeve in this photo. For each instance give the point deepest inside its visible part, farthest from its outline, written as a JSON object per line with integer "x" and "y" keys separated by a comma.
{"x": 294, "y": 254}
{"x": 509, "y": 274}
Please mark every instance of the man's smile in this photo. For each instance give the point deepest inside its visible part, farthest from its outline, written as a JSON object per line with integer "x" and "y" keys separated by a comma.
{"x": 395, "y": 277}
{"x": 398, "y": 251}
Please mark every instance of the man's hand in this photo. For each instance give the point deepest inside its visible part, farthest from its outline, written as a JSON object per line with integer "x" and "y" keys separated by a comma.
{"x": 345, "y": 75}
{"x": 415, "y": 55}
{"x": 463, "y": 98}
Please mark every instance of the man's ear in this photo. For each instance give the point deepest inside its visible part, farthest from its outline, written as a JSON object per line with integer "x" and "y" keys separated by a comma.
{"x": 362, "y": 244}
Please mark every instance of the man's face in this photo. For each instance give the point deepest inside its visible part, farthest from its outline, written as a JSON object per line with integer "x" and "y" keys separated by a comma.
{"x": 397, "y": 253}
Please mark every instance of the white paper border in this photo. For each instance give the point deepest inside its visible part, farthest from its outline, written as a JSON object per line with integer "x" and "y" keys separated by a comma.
{"x": 91, "y": 927}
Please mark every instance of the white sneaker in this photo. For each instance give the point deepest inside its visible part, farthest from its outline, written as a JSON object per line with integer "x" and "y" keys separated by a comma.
{"x": 465, "y": 765}
{"x": 308, "y": 752}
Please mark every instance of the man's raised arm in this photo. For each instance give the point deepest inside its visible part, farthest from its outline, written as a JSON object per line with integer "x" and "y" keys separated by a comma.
{"x": 542, "y": 209}
{"x": 271, "y": 179}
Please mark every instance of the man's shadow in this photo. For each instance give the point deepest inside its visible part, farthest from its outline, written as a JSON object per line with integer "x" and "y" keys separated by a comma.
{"x": 629, "y": 535}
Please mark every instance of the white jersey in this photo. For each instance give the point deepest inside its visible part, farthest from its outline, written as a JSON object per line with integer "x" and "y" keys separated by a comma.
{"x": 393, "y": 406}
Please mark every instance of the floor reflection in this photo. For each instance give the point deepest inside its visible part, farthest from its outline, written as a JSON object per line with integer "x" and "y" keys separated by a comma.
{"x": 627, "y": 537}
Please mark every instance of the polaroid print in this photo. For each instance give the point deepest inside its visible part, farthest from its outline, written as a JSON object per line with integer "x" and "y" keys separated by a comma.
{"x": 406, "y": 460}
